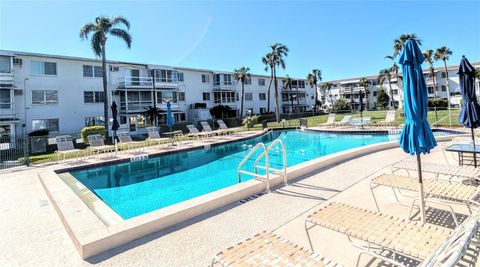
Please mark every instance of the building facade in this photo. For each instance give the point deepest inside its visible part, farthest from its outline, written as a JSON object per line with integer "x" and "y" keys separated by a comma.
{"x": 349, "y": 89}
{"x": 64, "y": 94}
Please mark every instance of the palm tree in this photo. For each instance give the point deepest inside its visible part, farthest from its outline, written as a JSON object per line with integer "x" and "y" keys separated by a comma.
{"x": 152, "y": 113}
{"x": 327, "y": 86}
{"x": 269, "y": 65}
{"x": 287, "y": 84}
{"x": 100, "y": 29}
{"x": 443, "y": 53}
{"x": 365, "y": 83}
{"x": 429, "y": 57}
{"x": 313, "y": 78}
{"x": 279, "y": 51}
{"x": 386, "y": 75}
{"x": 242, "y": 74}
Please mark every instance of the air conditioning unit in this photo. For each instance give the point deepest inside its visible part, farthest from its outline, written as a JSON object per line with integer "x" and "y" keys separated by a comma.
{"x": 17, "y": 61}
{"x": 114, "y": 68}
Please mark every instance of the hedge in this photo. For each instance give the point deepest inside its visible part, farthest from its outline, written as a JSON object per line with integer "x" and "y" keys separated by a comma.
{"x": 89, "y": 130}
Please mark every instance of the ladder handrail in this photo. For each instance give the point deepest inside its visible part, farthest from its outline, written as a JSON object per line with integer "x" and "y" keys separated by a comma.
{"x": 249, "y": 155}
{"x": 284, "y": 154}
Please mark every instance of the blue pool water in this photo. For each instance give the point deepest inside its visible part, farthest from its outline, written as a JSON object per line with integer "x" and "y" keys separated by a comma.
{"x": 135, "y": 188}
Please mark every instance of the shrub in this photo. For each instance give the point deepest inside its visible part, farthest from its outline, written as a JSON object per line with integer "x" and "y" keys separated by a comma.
{"x": 250, "y": 121}
{"x": 41, "y": 132}
{"x": 89, "y": 130}
{"x": 438, "y": 102}
{"x": 382, "y": 98}
{"x": 341, "y": 105}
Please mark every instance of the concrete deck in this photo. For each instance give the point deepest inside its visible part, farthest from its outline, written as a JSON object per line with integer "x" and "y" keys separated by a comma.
{"x": 31, "y": 233}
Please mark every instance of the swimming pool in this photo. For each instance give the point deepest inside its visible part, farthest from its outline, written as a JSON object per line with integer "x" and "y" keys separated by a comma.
{"x": 135, "y": 188}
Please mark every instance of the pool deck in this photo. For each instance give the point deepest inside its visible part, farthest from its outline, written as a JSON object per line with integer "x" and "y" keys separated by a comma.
{"x": 31, "y": 233}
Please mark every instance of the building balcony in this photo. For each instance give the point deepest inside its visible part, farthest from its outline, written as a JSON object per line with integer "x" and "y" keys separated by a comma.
{"x": 7, "y": 80}
{"x": 224, "y": 86}
{"x": 233, "y": 105}
{"x": 142, "y": 106}
{"x": 7, "y": 109}
{"x": 130, "y": 82}
{"x": 166, "y": 83}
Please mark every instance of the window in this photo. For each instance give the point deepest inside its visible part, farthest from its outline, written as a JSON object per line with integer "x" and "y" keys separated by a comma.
{"x": 248, "y": 96}
{"x": 261, "y": 82}
{"x": 179, "y": 117}
{"x": 374, "y": 93}
{"x": 44, "y": 97}
{"x": 205, "y": 78}
{"x": 444, "y": 88}
{"x": 395, "y": 91}
{"x": 430, "y": 89}
{"x": 263, "y": 110}
{"x": 180, "y": 76}
{"x": 50, "y": 124}
{"x": 5, "y": 66}
{"x": 166, "y": 76}
{"x": 181, "y": 96}
{"x": 262, "y": 96}
{"x": 92, "y": 71}
{"x": 223, "y": 97}
{"x": 92, "y": 121}
{"x": 93, "y": 97}
{"x": 301, "y": 84}
{"x": 5, "y": 100}
{"x": 206, "y": 96}
{"x": 44, "y": 68}
{"x": 248, "y": 80}
{"x": 444, "y": 75}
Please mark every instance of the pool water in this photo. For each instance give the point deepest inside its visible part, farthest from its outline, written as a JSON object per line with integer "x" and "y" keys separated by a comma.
{"x": 135, "y": 188}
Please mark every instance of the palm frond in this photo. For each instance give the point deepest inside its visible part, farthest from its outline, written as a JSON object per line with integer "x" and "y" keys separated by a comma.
{"x": 120, "y": 20}
{"x": 86, "y": 30}
{"x": 96, "y": 43}
{"x": 122, "y": 34}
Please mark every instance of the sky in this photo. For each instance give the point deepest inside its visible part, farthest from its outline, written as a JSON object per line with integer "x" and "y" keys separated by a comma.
{"x": 342, "y": 38}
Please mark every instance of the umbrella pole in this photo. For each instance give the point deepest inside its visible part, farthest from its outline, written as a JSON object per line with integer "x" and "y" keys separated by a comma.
{"x": 420, "y": 187}
{"x": 474, "y": 154}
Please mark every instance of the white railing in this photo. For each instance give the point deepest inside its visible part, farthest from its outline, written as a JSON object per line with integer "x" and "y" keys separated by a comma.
{"x": 131, "y": 81}
{"x": 267, "y": 168}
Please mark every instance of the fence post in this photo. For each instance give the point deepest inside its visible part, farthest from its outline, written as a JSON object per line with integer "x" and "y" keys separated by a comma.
{"x": 25, "y": 150}
{"x": 436, "y": 117}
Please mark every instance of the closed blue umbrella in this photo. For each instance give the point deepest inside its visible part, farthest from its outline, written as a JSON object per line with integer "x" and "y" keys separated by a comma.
{"x": 470, "y": 112}
{"x": 361, "y": 107}
{"x": 115, "y": 124}
{"x": 416, "y": 137}
{"x": 170, "y": 119}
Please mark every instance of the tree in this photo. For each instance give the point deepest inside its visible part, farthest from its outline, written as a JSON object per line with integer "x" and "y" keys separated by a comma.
{"x": 443, "y": 53}
{"x": 287, "y": 84}
{"x": 151, "y": 113}
{"x": 100, "y": 30}
{"x": 386, "y": 75}
{"x": 429, "y": 57}
{"x": 242, "y": 74}
{"x": 365, "y": 83}
{"x": 277, "y": 54}
{"x": 382, "y": 98}
{"x": 313, "y": 78}
{"x": 269, "y": 65}
{"x": 327, "y": 86}
{"x": 340, "y": 105}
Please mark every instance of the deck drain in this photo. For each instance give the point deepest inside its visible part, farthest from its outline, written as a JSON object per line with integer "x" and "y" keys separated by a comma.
{"x": 250, "y": 198}
{"x": 43, "y": 203}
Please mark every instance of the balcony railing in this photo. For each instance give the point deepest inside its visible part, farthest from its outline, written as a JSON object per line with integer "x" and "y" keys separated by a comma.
{"x": 7, "y": 109}
{"x": 6, "y": 79}
{"x": 141, "y": 106}
{"x": 135, "y": 82}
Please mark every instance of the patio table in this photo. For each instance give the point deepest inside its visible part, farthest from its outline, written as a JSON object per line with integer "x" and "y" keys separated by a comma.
{"x": 462, "y": 149}
{"x": 173, "y": 135}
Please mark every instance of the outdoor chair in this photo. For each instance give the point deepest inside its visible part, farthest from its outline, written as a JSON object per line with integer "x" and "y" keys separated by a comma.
{"x": 225, "y": 128}
{"x": 330, "y": 121}
{"x": 442, "y": 190}
{"x": 195, "y": 133}
{"x": 154, "y": 136}
{"x": 345, "y": 121}
{"x": 389, "y": 119}
{"x": 206, "y": 128}
{"x": 125, "y": 139}
{"x": 431, "y": 245}
{"x": 98, "y": 146}
{"x": 360, "y": 122}
{"x": 452, "y": 171}
{"x": 65, "y": 147}
{"x": 269, "y": 249}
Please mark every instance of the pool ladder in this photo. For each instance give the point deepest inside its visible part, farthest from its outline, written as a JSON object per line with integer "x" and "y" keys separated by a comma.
{"x": 267, "y": 168}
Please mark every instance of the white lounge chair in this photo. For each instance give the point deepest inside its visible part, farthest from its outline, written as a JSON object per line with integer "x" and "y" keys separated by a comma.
{"x": 389, "y": 119}
{"x": 225, "y": 128}
{"x": 125, "y": 139}
{"x": 360, "y": 122}
{"x": 269, "y": 249}
{"x": 330, "y": 121}
{"x": 97, "y": 145}
{"x": 206, "y": 128}
{"x": 194, "y": 132}
{"x": 345, "y": 121}
{"x": 154, "y": 136}
{"x": 379, "y": 233}
{"x": 65, "y": 147}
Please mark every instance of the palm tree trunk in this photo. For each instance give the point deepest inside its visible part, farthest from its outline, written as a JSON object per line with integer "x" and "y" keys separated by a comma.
{"x": 392, "y": 102}
{"x": 448, "y": 92}
{"x": 434, "y": 85}
{"x": 291, "y": 98}
{"x": 315, "y": 98}
{"x": 268, "y": 91}
{"x": 277, "y": 111}
{"x": 298, "y": 97}
{"x": 241, "y": 100}
{"x": 105, "y": 89}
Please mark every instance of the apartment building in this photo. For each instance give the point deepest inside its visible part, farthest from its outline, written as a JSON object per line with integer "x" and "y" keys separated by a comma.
{"x": 64, "y": 94}
{"x": 349, "y": 89}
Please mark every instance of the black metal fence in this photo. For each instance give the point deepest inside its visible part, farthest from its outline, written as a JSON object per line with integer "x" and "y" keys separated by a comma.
{"x": 12, "y": 152}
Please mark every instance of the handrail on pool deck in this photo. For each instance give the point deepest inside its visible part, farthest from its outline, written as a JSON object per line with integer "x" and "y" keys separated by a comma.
{"x": 284, "y": 152}
{"x": 239, "y": 168}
